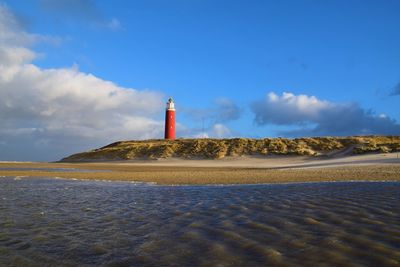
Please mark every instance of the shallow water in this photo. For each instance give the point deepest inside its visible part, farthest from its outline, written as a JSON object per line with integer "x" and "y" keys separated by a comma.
{"x": 49, "y": 169}
{"x": 78, "y": 223}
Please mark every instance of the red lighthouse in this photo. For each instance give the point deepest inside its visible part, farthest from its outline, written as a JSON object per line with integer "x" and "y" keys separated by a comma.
{"x": 170, "y": 120}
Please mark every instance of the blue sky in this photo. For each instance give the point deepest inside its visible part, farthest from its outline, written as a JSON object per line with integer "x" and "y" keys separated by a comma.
{"x": 240, "y": 68}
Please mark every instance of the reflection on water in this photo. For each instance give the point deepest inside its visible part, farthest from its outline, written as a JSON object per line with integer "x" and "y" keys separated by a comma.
{"x": 60, "y": 222}
{"x": 50, "y": 169}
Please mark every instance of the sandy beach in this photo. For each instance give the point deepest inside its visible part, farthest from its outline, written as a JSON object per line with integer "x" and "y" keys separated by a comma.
{"x": 241, "y": 170}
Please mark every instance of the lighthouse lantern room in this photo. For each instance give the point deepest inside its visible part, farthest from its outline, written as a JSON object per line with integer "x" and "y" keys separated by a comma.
{"x": 170, "y": 120}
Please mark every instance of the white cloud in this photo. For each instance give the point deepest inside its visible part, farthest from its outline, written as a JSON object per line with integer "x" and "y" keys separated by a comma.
{"x": 219, "y": 130}
{"x": 114, "y": 24}
{"x": 216, "y": 130}
{"x": 382, "y": 115}
{"x": 222, "y": 110}
{"x": 226, "y": 110}
{"x": 48, "y": 113}
{"x": 83, "y": 12}
{"x": 201, "y": 135}
{"x": 288, "y": 108}
{"x": 313, "y": 116}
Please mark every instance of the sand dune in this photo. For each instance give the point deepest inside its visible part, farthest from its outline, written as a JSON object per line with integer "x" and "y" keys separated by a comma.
{"x": 209, "y": 148}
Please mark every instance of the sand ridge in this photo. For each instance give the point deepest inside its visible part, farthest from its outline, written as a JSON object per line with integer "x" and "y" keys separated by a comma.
{"x": 240, "y": 170}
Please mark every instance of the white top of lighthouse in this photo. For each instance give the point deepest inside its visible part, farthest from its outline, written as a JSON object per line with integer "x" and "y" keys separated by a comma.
{"x": 170, "y": 104}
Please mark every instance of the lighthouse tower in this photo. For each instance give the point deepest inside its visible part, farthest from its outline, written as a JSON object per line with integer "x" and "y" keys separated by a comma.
{"x": 170, "y": 120}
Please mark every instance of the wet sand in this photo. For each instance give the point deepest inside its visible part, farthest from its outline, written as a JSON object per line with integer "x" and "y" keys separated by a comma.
{"x": 243, "y": 170}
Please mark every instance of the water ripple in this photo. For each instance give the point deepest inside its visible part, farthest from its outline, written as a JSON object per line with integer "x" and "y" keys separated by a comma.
{"x": 60, "y": 222}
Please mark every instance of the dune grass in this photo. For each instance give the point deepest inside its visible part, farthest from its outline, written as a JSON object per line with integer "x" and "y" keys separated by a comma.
{"x": 221, "y": 148}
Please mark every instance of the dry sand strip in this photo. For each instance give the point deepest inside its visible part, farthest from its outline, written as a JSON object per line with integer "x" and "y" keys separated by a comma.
{"x": 276, "y": 162}
{"x": 365, "y": 168}
{"x": 198, "y": 176}
{"x": 262, "y": 162}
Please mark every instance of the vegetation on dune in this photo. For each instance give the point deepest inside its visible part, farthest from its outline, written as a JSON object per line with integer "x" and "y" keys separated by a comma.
{"x": 220, "y": 148}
